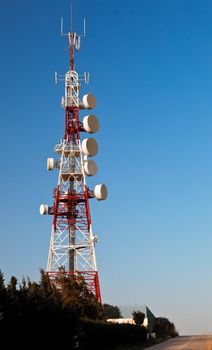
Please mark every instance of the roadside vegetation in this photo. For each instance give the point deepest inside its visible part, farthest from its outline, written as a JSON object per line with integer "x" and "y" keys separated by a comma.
{"x": 138, "y": 317}
{"x": 41, "y": 314}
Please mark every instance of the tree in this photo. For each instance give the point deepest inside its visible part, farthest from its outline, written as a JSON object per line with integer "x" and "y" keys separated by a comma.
{"x": 2, "y": 294}
{"x": 46, "y": 307}
{"x": 110, "y": 311}
{"x": 12, "y": 305}
{"x": 138, "y": 317}
{"x": 163, "y": 328}
{"x": 76, "y": 295}
{"x": 2, "y": 286}
{"x": 12, "y": 284}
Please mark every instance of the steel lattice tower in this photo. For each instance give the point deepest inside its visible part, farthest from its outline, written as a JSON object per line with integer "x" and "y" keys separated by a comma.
{"x": 72, "y": 244}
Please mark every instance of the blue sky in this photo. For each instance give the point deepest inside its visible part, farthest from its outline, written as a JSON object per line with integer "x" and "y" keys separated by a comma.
{"x": 151, "y": 70}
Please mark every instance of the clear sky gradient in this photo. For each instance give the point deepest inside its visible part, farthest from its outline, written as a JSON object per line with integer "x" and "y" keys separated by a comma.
{"x": 151, "y": 70}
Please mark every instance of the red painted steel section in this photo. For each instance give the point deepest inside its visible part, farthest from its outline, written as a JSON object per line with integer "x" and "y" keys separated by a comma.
{"x": 72, "y": 35}
{"x": 97, "y": 287}
{"x": 56, "y": 203}
{"x": 90, "y": 277}
{"x": 87, "y": 207}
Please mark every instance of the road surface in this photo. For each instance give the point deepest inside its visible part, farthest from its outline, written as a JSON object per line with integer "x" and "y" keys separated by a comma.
{"x": 201, "y": 342}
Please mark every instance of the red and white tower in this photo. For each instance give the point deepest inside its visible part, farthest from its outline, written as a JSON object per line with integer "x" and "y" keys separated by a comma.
{"x": 72, "y": 244}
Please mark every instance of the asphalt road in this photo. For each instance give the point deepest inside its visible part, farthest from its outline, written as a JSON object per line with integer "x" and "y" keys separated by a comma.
{"x": 202, "y": 342}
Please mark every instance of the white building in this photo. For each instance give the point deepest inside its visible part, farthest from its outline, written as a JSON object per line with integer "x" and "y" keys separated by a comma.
{"x": 127, "y": 311}
{"x": 127, "y": 321}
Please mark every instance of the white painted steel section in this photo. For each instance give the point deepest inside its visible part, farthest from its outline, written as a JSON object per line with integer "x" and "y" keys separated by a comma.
{"x": 71, "y": 90}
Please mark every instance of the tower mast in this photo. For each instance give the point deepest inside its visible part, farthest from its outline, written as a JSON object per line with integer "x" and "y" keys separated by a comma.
{"x": 72, "y": 243}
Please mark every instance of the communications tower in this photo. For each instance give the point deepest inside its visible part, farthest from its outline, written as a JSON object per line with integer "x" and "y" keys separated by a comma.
{"x": 72, "y": 243}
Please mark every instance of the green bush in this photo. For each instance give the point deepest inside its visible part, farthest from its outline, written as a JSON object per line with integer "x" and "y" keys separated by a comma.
{"x": 111, "y": 311}
{"x": 102, "y": 335}
{"x": 164, "y": 328}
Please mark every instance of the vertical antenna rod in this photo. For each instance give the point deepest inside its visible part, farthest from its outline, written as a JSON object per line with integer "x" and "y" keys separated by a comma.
{"x": 71, "y": 16}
